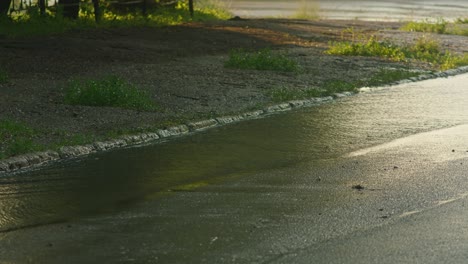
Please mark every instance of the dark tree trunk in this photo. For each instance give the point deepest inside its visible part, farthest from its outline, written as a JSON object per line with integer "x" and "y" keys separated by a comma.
{"x": 190, "y": 4}
{"x": 97, "y": 11}
{"x": 70, "y": 8}
{"x": 42, "y": 6}
{"x": 144, "y": 7}
{"x": 4, "y": 6}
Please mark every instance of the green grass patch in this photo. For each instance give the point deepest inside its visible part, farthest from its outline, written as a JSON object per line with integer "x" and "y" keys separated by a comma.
{"x": 428, "y": 50}
{"x": 9, "y": 129}
{"x": 21, "y": 146}
{"x": 424, "y": 49}
{"x": 3, "y": 76}
{"x": 451, "y": 61}
{"x": 263, "y": 59}
{"x": 461, "y": 21}
{"x": 66, "y": 139}
{"x": 460, "y": 31}
{"x": 338, "y": 86}
{"x": 33, "y": 24}
{"x": 387, "y": 76}
{"x": 371, "y": 47}
{"x": 16, "y": 138}
{"x": 110, "y": 91}
{"x": 284, "y": 94}
{"x": 329, "y": 88}
{"x": 439, "y": 26}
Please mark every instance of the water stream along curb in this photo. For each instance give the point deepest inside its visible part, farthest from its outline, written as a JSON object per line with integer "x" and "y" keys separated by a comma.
{"x": 33, "y": 160}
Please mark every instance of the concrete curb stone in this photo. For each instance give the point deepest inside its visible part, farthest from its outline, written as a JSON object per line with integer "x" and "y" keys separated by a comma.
{"x": 204, "y": 124}
{"x": 229, "y": 119}
{"x": 173, "y": 131}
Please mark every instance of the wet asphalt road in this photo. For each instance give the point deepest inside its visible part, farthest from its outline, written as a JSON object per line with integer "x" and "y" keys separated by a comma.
{"x": 387, "y": 10}
{"x": 377, "y": 177}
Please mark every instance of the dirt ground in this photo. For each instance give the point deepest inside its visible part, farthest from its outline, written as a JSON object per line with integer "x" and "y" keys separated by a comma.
{"x": 182, "y": 67}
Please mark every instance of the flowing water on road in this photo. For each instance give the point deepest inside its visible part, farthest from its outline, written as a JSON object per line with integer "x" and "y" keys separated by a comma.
{"x": 112, "y": 181}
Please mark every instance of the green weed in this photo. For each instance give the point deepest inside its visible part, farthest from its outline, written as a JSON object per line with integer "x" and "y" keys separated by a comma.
{"x": 329, "y": 88}
{"x": 284, "y": 94}
{"x": 9, "y": 129}
{"x": 387, "y": 76}
{"x": 450, "y": 61}
{"x": 73, "y": 140}
{"x": 425, "y": 45}
{"x": 3, "y": 77}
{"x": 459, "y": 29}
{"x": 263, "y": 59}
{"x": 439, "y": 26}
{"x": 428, "y": 50}
{"x": 425, "y": 49}
{"x": 371, "y": 47}
{"x": 338, "y": 86}
{"x": 109, "y": 91}
{"x": 15, "y": 138}
{"x": 461, "y": 21}
{"x": 21, "y": 146}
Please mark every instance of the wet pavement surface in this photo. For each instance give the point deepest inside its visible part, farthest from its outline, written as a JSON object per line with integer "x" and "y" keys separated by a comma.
{"x": 389, "y": 10}
{"x": 315, "y": 184}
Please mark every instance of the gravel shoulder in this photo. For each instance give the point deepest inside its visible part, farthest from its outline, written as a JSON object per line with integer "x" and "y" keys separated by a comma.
{"x": 182, "y": 68}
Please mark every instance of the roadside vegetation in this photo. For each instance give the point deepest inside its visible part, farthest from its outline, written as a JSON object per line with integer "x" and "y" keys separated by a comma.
{"x": 424, "y": 49}
{"x": 18, "y": 138}
{"x": 329, "y": 88}
{"x": 3, "y": 76}
{"x": 31, "y": 23}
{"x": 15, "y": 138}
{"x": 264, "y": 59}
{"x": 109, "y": 91}
{"x": 462, "y": 21}
{"x": 387, "y": 76}
{"x": 440, "y": 26}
